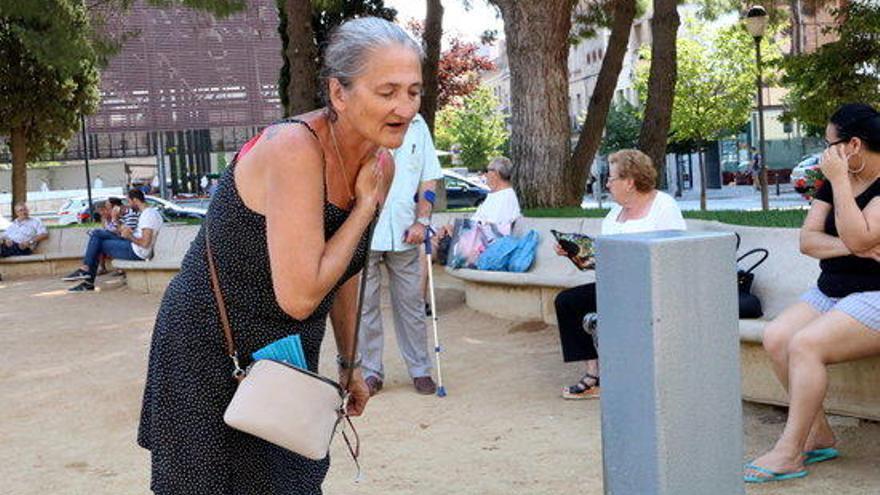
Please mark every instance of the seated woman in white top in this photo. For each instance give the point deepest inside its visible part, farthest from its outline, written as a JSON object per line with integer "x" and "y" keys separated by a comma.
{"x": 640, "y": 208}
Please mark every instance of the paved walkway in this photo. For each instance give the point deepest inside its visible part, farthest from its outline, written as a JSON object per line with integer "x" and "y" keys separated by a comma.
{"x": 728, "y": 198}
{"x": 72, "y": 374}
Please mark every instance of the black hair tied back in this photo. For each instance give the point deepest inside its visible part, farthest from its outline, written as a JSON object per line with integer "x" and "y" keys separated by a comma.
{"x": 858, "y": 120}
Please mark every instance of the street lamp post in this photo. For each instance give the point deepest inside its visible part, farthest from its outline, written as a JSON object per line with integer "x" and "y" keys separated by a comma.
{"x": 756, "y": 24}
{"x": 85, "y": 139}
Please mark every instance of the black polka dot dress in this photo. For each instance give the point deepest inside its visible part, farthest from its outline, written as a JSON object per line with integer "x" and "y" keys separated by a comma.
{"x": 189, "y": 381}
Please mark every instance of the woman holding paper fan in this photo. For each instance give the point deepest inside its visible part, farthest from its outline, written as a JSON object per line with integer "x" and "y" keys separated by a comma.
{"x": 640, "y": 208}
{"x": 288, "y": 235}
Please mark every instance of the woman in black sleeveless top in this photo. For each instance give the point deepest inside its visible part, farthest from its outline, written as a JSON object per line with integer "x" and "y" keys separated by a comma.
{"x": 288, "y": 233}
{"x": 839, "y": 319}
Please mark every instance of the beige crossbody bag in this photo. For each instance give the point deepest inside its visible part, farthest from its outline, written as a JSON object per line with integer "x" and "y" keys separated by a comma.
{"x": 287, "y": 406}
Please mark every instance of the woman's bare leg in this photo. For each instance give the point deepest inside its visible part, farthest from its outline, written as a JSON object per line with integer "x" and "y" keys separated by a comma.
{"x": 835, "y": 337}
{"x": 777, "y": 338}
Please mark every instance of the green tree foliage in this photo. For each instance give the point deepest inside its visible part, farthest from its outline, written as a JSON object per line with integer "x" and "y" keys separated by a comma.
{"x": 621, "y": 128}
{"x": 48, "y": 78}
{"x": 715, "y": 88}
{"x": 326, "y": 15}
{"x": 716, "y": 81}
{"x": 475, "y": 126}
{"x": 589, "y": 17}
{"x": 844, "y": 71}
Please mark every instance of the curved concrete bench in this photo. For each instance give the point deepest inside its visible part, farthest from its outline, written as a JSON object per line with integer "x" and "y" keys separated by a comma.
{"x": 779, "y": 282}
{"x": 155, "y": 274}
{"x": 529, "y": 295}
{"x": 58, "y": 255}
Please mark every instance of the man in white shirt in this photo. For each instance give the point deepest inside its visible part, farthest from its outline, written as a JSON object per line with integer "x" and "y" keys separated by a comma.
{"x": 399, "y": 231}
{"x": 501, "y": 206}
{"x": 23, "y": 234}
{"x": 135, "y": 244}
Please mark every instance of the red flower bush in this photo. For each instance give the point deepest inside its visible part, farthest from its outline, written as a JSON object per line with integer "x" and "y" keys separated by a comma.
{"x": 810, "y": 183}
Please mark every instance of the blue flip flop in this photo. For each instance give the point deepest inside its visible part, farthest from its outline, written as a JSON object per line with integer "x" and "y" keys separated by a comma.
{"x": 820, "y": 455}
{"x": 771, "y": 475}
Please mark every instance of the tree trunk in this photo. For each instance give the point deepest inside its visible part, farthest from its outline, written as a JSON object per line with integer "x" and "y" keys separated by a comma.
{"x": 302, "y": 55}
{"x": 597, "y": 111}
{"x": 19, "y": 150}
{"x": 431, "y": 41}
{"x": 661, "y": 85}
{"x": 537, "y": 49}
{"x": 703, "y": 181}
{"x": 796, "y": 37}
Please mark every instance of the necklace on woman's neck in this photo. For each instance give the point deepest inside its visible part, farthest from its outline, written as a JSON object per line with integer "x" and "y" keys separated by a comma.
{"x": 351, "y": 197}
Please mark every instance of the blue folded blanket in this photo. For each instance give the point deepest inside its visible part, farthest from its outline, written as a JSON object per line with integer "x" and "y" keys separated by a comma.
{"x": 288, "y": 350}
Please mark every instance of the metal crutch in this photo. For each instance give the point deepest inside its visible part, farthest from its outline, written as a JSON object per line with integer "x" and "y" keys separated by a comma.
{"x": 441, "y": 390}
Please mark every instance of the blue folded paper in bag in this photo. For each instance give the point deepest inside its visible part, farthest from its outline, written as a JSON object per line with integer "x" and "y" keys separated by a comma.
{"x": 288, "y": 350}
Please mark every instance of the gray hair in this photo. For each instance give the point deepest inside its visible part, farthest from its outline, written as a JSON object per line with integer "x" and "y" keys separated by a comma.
{"x": 345, "y": 56}
{"x": 503, "y": 166}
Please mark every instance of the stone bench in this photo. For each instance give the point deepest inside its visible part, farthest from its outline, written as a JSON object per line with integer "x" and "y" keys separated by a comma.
{"x": 57, "y": 256}
{"x": 854, "y": 388}
{"x": 529, "y": 295}
{"x": 154, "y": 275}
{"x": 779, "y": 282}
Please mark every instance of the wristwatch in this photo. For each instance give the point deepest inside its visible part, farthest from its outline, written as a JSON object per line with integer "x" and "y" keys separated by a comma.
{"x": 346, "y": 364}
{"x": 426, "y": 221}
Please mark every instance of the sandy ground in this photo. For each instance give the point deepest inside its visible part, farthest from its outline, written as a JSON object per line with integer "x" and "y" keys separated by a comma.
{"x": 72, "y": 371}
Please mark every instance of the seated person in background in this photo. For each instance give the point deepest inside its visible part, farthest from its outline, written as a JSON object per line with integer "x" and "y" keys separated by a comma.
{"x": 109, "y": 213}
{"x": 23, "y": 233}
{"x": 113, "y": 218}
{"x": 839, "y": 319}
{"x": 501, "y": 206}
{"x": 640, "y": 208}
{"x": 126, "y": 215}
{"x": 128, "y": 245}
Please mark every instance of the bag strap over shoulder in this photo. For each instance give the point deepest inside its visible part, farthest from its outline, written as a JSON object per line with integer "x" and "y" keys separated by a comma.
{"x": 232, "y": 352}
{"x": 239, "y": 373}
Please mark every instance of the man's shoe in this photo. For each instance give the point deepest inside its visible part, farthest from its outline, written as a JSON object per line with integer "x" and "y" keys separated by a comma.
{"x": 77, "y": 275}
{"x": 83, "y": 287}
{"x": 424, "y": 385}
{"x": 374, "y": 384}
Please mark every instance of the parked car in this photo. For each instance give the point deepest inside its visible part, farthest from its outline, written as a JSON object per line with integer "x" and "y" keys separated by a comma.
{"x": 174, "y": 211}
{"x": 462, "y": 192}
{"x": 76, "y": 211}
{"x": 811, "y": 162}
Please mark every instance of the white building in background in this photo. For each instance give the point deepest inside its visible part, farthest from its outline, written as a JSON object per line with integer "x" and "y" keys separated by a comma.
{"x": 498, "y": 80}
{"x": 584, "y": 63}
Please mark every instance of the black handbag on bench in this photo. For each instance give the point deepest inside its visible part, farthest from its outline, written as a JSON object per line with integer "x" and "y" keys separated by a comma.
{"x": 749, "y": 304}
